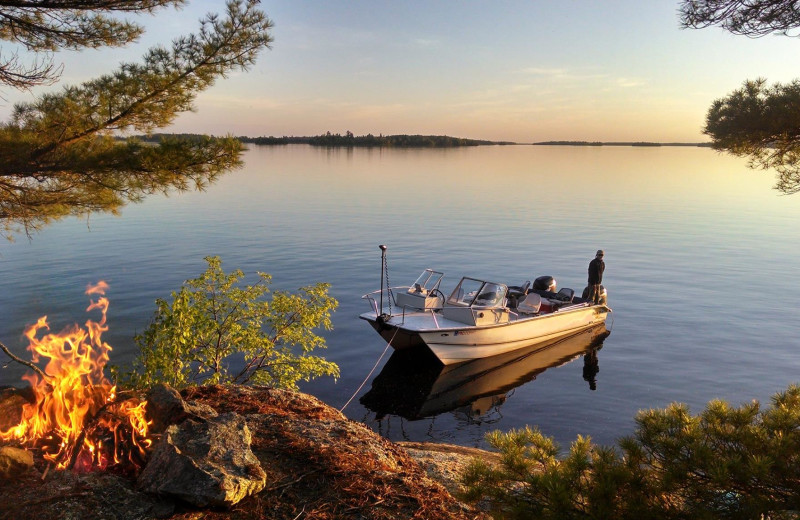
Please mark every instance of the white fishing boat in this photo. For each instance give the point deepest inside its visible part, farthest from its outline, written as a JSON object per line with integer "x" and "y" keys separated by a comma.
{"x": 479, "y": 318}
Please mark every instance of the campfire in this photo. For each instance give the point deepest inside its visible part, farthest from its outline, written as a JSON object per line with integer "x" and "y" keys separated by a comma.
{"x": 78, "y": 420}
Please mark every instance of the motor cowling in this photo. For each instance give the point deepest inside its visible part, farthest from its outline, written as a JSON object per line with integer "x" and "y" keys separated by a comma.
{"x": 603, "y": 294}
{"x": 545, "y": 283}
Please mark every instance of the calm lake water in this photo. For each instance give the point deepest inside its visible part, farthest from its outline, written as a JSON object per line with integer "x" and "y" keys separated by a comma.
{"x": 701, "y": 270}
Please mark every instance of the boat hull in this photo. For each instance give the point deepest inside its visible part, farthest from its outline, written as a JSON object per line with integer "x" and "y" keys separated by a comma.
{"x": 455, "y": 344}
{"x": 464, "y": 383}
{"x": 413, "y": 385}
{"x": 399, "y": 338}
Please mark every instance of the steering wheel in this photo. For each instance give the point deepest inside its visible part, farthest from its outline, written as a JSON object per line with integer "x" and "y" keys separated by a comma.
{"x": 438, "y": 294}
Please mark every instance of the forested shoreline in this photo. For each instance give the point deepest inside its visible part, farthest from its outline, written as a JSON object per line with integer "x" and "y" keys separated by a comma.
{"x": 349, "y": 140}
{"x": 370, "y": 140}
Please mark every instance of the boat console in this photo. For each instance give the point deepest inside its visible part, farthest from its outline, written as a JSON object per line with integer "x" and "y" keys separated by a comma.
{"x": 422, "y": 294}
{"x": 476, "y": 302}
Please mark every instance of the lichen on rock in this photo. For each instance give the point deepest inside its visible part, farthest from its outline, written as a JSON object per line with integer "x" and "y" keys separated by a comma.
{"x": 206, "y": 463}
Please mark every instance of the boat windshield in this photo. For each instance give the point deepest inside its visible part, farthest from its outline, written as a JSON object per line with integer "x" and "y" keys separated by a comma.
{"x": 427, "y": 281}
{"x": 470, "y": 291}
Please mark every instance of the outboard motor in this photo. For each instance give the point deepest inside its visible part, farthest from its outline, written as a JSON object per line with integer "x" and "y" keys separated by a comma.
{"x": 545, "y": 283}
{"x": 603, "y": 295}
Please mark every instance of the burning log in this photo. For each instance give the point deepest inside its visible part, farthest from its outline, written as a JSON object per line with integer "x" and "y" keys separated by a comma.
{"x": 109, "y": 430}
{"x": 75, "y": 419}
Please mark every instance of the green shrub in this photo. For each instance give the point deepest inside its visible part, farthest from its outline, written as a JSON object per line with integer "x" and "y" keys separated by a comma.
{"x": 213, "y": 323}
{"x": 727, "y": 462}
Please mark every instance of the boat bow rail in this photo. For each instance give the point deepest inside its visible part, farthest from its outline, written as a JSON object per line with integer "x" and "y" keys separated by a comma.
{"x": 398, "y": 319}
{"x": 423, "y": 294}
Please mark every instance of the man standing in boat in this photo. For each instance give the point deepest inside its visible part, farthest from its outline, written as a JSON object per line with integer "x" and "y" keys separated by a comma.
{"x": 596, "y": 268}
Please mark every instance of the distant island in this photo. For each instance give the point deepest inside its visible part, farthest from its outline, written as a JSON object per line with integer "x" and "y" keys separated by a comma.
{"x": 369, "y": 140}
{"x": 348, "y": 140}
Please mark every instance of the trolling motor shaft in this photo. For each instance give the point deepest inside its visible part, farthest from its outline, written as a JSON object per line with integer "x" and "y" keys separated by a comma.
{"x": 383, "y": 270}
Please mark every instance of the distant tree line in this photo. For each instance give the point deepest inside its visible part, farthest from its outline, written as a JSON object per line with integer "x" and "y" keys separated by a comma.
{"x": 347, "y": 140}
{"x": 275, "y": 140}
{"x": 401, "y": 141}
{"x": 369, "y": 140}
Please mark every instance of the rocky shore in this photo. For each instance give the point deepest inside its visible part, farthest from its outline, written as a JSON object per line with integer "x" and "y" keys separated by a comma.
{"x": 227, "y": 452}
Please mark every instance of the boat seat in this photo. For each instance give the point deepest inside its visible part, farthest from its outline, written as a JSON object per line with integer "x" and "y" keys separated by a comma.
{"x": 565, "y": 295}
{"x": 530, "y": 304}
{"x": 517, "y": 293}
{"x": 520, "y": 289}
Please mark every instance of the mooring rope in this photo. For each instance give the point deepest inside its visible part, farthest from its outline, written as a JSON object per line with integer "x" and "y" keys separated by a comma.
{"x": 389, "y": 344}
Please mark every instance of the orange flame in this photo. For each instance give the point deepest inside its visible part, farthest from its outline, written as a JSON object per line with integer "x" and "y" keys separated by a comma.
{"x": 76, "y": 416}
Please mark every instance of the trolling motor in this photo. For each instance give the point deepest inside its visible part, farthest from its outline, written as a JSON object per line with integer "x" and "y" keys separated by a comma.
{"x": 383, "y": 270}
{"x": 382, "y": 316}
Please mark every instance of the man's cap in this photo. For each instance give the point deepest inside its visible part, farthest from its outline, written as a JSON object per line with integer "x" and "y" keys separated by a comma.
{"x": 600, "y": 252}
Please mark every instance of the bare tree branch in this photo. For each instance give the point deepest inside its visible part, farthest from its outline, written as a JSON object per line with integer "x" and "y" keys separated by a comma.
{"x": 26, "y": 363}
{"x": 753, "y": 18}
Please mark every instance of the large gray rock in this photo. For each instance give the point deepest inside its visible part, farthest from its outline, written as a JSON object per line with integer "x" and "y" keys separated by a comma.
{"x": 205, "y": 463}
{"x": 165, "y": 407}
{"x": 14, "y": 461}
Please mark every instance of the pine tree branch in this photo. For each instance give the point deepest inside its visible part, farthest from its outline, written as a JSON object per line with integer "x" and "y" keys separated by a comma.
{"x": 59, "y": 156}
{"x": 234, "y": 43}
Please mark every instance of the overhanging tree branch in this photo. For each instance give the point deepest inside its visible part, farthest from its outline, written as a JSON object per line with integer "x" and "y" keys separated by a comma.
{"x": 759, "y": 122}
{"x": 753, "y": 18}
{"x": 60, "y": 156}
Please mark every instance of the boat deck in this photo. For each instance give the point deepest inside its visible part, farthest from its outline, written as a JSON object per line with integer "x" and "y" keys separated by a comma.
{"x": 434, "y": 320}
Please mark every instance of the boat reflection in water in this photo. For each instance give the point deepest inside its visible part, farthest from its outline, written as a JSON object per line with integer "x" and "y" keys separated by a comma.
{"x": 414, "y": 385}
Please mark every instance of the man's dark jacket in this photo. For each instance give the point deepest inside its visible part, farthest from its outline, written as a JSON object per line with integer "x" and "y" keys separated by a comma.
{"x": 596, "y": 268}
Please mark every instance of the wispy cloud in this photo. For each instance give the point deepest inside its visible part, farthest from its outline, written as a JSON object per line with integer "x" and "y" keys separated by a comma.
{"x": 572, "y": 77}
{"x": 561, "y": 74}
{"x": 520, "y": 88}
{"x": 425, "y": 42}
{"x": 629, "y": 82}
{"x": 539, "y": 71}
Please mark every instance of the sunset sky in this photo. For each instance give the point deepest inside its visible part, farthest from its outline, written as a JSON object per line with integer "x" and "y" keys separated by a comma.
{"x": 522, "y": 70}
